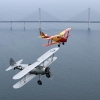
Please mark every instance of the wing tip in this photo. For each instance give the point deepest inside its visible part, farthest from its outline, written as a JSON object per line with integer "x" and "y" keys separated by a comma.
{"x": 46, "y": 45}
{"x": 21, "y": 60}
{"x": 69, "y": 29}
{"x": 9, "y": 68}
{"x": 15, "y": 78}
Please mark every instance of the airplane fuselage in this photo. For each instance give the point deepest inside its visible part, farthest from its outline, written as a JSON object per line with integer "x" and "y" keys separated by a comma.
{"x": 59, "y": 39}
{"x": 41, "y": 68}
{"x": 38, "y": 70}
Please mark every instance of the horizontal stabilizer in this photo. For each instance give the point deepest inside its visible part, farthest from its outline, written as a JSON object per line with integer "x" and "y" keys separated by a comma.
{"x": 23, "y": 81}
{"x": 14, "y": 64}
{"x": 9, "y": 68}
{"x": 19, "y": 62}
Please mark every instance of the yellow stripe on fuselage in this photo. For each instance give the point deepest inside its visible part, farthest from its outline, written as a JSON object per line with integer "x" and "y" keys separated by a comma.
{"x": 56, "y": 39}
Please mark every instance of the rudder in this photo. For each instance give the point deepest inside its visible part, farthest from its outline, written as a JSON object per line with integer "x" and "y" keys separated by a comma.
{"x": 12, "y": 62}
{"x": 43, "y": 35}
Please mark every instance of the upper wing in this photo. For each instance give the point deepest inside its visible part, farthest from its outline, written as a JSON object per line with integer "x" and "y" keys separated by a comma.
{"x": 47, "y": 54}
{"x": 48, "y": 61}
{"x": 60, "y": 34}
{"x": 26, "y": 70}
{"x": 68, "y": 29}
{"x": 65, "y": 31}
{"x": 38, "y": 62}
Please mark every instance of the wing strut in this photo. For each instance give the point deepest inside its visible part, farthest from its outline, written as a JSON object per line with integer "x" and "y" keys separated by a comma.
{"x": 52, "y": 57}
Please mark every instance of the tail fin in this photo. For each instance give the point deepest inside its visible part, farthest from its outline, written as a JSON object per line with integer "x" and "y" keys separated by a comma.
{"x": 12, "y": 62}
{"x": 42, "y": 34}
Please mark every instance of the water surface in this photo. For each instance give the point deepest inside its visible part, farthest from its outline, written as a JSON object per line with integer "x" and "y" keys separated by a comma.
{"x": 76, "y": 72}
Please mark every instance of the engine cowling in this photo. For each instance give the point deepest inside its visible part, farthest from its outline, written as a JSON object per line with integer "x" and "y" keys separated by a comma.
{"x": 47, "y": 70}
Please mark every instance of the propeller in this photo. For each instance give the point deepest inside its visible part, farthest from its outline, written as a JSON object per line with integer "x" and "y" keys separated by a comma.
{"x": 51, "y": 76}
{"x": 48, "y": 72}
{"x": 67, "y": 35}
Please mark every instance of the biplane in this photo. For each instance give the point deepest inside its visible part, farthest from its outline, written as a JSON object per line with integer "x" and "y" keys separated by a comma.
{"x": 56, "y": 39}
{"x": 29, "y": 71}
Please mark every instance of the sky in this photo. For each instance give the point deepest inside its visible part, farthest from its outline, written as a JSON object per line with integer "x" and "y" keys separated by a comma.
{"x": 62, "y": 9}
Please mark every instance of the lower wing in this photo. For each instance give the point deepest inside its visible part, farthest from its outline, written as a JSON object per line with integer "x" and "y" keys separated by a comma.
{"x": 23, "y": 81}
{"x": 51, "y": 44}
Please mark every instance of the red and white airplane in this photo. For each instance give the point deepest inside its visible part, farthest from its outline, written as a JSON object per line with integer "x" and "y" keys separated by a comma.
{"x": 56, "y": 39}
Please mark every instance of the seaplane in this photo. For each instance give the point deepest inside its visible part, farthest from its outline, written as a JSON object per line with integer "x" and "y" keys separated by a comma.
{"x": 56, "y": 39}
{"x": 29, "y": 71}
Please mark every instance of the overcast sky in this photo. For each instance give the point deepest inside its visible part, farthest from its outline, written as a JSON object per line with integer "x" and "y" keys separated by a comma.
{"x": 59, "y": 8}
